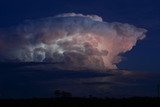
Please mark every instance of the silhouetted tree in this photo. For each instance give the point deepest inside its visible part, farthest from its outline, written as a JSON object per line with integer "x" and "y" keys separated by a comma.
{"x": 62, "y": 94}
{"x": 65, "y": 94}
{"x": 90, "y": 96}
{"x": 57, "y": 93}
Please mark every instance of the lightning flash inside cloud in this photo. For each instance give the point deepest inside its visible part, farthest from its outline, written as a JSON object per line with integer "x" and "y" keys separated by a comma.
{"x": 72, "y": 41}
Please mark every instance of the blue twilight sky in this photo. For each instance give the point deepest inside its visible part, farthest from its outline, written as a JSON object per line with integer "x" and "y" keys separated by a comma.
{"x": 38, "y": 80}
{"x": 141, "y": 13}
{"x": 25, "y": 81}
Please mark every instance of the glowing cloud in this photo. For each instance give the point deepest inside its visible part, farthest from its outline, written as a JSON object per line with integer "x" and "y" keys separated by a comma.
{"x": 72, "y": 41}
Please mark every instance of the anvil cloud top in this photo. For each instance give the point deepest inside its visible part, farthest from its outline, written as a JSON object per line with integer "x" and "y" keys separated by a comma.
{"x": 72, "y": 41}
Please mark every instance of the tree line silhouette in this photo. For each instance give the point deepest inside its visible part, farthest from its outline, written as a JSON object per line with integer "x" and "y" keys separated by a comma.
{"x": 65, "y": 99}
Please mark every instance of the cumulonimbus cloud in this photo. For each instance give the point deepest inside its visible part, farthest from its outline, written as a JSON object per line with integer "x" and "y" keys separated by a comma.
{"x": 72, "y": 41}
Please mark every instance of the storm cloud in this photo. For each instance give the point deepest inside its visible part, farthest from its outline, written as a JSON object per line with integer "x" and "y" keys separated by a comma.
{"x": 70, "y": 41}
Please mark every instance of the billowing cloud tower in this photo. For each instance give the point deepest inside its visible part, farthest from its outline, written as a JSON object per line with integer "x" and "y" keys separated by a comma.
{"x": 70, "y": 41}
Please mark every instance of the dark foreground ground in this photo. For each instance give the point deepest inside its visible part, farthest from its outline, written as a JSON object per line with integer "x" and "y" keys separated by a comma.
{"x": 83, "y": 102}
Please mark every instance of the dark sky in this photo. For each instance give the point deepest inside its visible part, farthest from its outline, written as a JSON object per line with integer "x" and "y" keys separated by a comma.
{"x": 30, "y": 81}
{"x": 22, "y": 81}
{"x": 142, "y": 13}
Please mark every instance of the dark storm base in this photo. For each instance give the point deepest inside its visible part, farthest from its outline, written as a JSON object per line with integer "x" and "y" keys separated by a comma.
{"x": 83, "y": 102}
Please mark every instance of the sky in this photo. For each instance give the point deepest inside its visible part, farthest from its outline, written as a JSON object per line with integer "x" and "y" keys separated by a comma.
{"x": 41, "y": 80}
{"x": 142, "y": 61}
{"x": 141, "y": 13}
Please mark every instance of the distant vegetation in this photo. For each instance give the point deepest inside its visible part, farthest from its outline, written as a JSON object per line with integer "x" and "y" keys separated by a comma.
{"x": 82, "y": 102}
{"x": 65, "y": 99}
